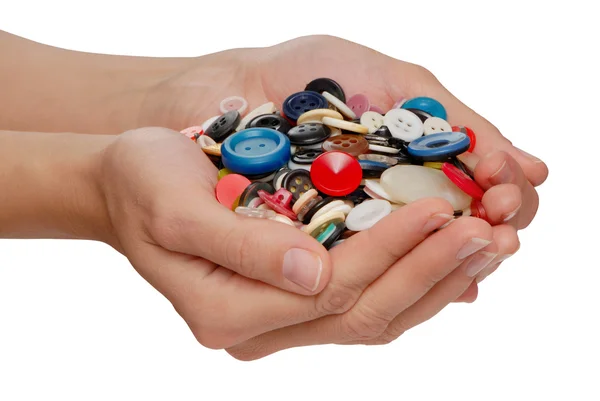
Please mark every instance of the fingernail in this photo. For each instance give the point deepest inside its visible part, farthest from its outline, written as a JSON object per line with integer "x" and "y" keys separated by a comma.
{"x": 502, "y": 258}
{"x": 510, "y": 215}
{"x": 485, "y": 273}
{"x": 439, "y": 220}
{"x": 479, "y": 262}
{"x": 474, "y": 245}
{"x": 503, "y": 175}
{"x": 303, "y": 268}
{"x": 529, "y": 156}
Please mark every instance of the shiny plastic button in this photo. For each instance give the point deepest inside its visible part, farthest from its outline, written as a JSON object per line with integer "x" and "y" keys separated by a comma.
{"x": 237, "y": 103}
{"x": 193, "y": 132}
{"x": 255, "y": 151}
{"x": 251, "y": 192}
{"x": 336, "y": 173}
{"x": 267, "y": 108}
{"x": 403, "y": 124}
{"x": 223, "y": 126}
{"x": 297, "y": 182}
{"x": 345, "y": 125}
{"x": 339, "y": 105}
{"x": 229, "y": 189}
{"x": 280, "y": 202}
{"x": 299, "y": 103}
{"x": 316, "y": 116}
{"x": 372, "y": 120}
{"x": 321, "y": 85}
{"x": 439, "y": 147}
{"x": 306, "y": 156}
{"x": 304, "y": 199}
{"x": 359, "y": 104}
{"x": 367, "y": 214}
{"x": 469, "y": 132}
{"x": 435, "y": 125}
{"x": 351, "y": 144}
{"x": 463, "y": 181}
{"x": 308, "y": 134}
{"x": 272, "y": 121}
{"x": 428, "y": 105}
{"x": 331, "y": 233}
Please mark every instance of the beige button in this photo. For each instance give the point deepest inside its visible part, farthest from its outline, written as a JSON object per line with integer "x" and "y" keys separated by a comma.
{"x": 347, "y": 125}
{"x": 267, "y": 108}
{"x": 205, "y": 140}
{"x": 213, "y": 150}
{"x": 372, "y": 120}
{"x": 316, "y": 116}
{"x": 323, "y": 221}
{"x": 341, "y": 106}
{"x": 304, "y": 199}
{"x": 283, "y": 219}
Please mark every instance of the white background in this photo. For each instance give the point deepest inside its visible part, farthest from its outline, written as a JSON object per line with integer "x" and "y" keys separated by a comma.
{"x": 77, "y": 323}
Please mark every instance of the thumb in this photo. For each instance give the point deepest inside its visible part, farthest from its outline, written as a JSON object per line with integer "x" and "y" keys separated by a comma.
{"x": 260, "y": 249}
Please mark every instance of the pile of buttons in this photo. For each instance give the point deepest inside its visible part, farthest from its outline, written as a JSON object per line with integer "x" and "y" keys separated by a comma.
{"x": 333, "y": 167}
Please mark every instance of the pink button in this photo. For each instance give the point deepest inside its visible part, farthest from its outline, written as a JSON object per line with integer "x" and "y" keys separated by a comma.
{"x": 234, "y": 103}
{"x": 279, "y": 201}
{"x": 376, "y": 109}
{"x": 359, "y": 104}
{"x": 193, "y": 132}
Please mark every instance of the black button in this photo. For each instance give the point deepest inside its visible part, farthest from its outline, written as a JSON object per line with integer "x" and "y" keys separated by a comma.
{"x": 297, "y": 182}
{"x": 337, "y": 232}
{"x": 251, "y": 192}
{"x": 383, "y": 131}
{"x": 421, "y": 114}
{"x": 309, "y": 215}
{"x": 358, "y": 196}
{"x": 223, "y": 126}
{"x": 308, "y": 134}
{"x": 273, "y": 121}
{"x": 282, "y": 171}
{"x": 326, "y": 85}
{"x": 371, "y": 169}
{"x": 306, "y": 156}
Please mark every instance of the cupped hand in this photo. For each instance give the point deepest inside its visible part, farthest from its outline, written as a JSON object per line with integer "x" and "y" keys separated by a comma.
{"x": 271, "y": 74}
{"x": 222, "y": 272}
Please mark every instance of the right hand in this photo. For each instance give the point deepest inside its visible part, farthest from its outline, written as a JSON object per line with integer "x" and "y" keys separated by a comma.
{"x": 227, "y": 282}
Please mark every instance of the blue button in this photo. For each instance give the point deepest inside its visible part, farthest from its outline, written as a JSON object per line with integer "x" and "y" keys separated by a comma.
{"x": 428, "y": 105}
{"x": 439, "y": 147}
{"x": 255, "y": 151}
{"x": 301, "y": 102}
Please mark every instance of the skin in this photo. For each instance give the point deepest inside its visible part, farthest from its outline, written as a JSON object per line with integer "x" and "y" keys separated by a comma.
{"x": 149, "y": 192}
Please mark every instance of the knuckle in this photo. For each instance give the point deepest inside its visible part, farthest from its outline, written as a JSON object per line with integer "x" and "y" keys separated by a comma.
{"x": 338, "y": 298}
{"x": 365, "y": 323}
{"x": 239, "y": 253}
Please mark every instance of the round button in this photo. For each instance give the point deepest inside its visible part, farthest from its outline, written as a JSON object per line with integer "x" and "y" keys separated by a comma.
{"x": 272, "y": 121}
{"x": 339, "y": 105}
{"x": 313, "y": 207}
{"x": 301, "y": 102}
{"x": 421, "y": 114}
{"x": 229, "y": 189}
{"x": 372, "y": 120}
{"x": 367, "y": 214}
{"x": 331, "y": 234}
{"x": 251, "y": 192}
{"x": 372, "y": 169}
{"x": 255, "y": 151}
{"x": 428, "y": 105}
{"x": 279, "y": 176}
{"x": 234, "y": 103}
{"x": 303, "y": 200}
{"x": 345, "y": 125}
{"x": 316, "y": 116}
{"x": 352, "y": 144}
{"x": 193, "y": 132}
{"x": 463, "y": 181}
{"x": 224, "y": 126}
{"x": 388, "y": 161}
{"x": 336, "y": 173}
{"x": 439, "y": 147}
{"x": 359, "y": 104}
{"x": 403, "y": 124}
{"x": 321, "y": 85}
{"x": 308, "y": 134}
{"x": 267, "y": 108}
{"x": 435, "y": 125}
{"x": 279, "y": 201}
{"x": 297, "y": 182}
{"x": 306, "y": 156}
{"x": 469, "y": 132}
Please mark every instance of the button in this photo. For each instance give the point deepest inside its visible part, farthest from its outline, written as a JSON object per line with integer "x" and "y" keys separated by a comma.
{"x": 222, "y": 173}
{"x": 383, "y": 149}
{"x": 299, "y": 103}
{"x": 318, "y": 225}
{"x": 359, "y": 104}
{"x": 428, "y": 105}
{"x": 331, "y": 233}
{"x": 316, "y": 116}
{"x": 469, "y": 132}
{"x": 435, "y": 165}
{"x": 278, "y": 178}
{"x": 255, "y": 151}
{"x": 337, "y": 205}
{"x": 251, "y": 192}
{"x": 267, "y": 108}
{"x": 336, "y": 173}
{"x": 209, "y": 122}
{"x": 272, "y": 121}
{"x": 371, "y": 169}
{"x": 205, "y": 141}
{"x": 398, "y": 104}
{"x": 308, "y": 134}
{"x": 339, "y": 105}
{"x": 351, "y": 144}
{"x": 237, "y": 103}
{"x": 376, "y": 109}
{"x": 304, "y": 199}
{"x": 229, "y": 188}
{"x": 279, "y": 201}
{"x": 213, "y": 150}
{"x": 375, "y": 187}
{"x": 421, "y": 114}
{"x": 463, "y": 181}
{"x": 389, "y": 161}
{"x": 312, "y": 209}
{"x": 265, "y": 177}
{"x": 345, "y": 125}
{"x": 439, "y": 147}
{"x": 321, "y": 85}
{"x": 283, "y": 219}
{"x": 403, "y": 124}
{"x": 193, "y": 132}
{"x": 306, "y": 156}
{"x": 256, "y": 213}
{"x": 224, "y": 126}
{"x": 307, "y": 208}
{"x": 477, "y": 210}
{"x": 295, "y": 166}
{"x": 297, "y": 182}
{"x": 367, "y": 214}
{"x": 435, "y": 125}
{"x": 372, "y": 120}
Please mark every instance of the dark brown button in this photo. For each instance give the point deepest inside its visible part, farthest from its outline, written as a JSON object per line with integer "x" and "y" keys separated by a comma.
{"x": 352, "y": 144}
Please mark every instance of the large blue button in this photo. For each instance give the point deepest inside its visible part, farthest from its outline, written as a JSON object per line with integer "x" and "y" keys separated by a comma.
{"x": 439, "y": 147}
{"x": 301, "y": 102}
{"x": 428, "y": 105}
{"x": 255, "y": 151}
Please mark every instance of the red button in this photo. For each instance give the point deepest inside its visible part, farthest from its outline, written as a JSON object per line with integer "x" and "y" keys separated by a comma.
{"x": 477, "y": 210}
{"x": 279, "y": 201}
{"x": 229, "y": 188}
{"x": 336, "y": 173}
{"x": 463, "y": 181}
{"x": 469, "y": 132}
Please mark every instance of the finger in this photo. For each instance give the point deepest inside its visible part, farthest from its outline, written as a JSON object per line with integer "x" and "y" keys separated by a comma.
{"x": 377, "y": 249}
{"x": 470, "y": 294}
{"x": 507, "y": 240}
{"x": 403, "y": 284}
{"x": 502, "y": 203}
{"x": 489, "y": 137}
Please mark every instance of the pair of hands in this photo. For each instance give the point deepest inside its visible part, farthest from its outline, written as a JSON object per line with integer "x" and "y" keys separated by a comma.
{"x": 223, "y": 273}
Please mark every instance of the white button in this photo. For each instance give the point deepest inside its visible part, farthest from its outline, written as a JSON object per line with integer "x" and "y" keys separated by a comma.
{"x": 234, "y": 103}
{"x": 267, "y": 108}
{"x": 327, "y": 208}
{"x": 435, "y": 125}
{"x": 296, "y": 166}
{"x": 205, "y": 141}
{"x": 383, "y": 149}
{"x": 341, "y": 106}
{"x": 372, "y": 120}
{"x": 365, "y": 215}
{"x": 403, "y": 124}
{"x": 375, "y": 187}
